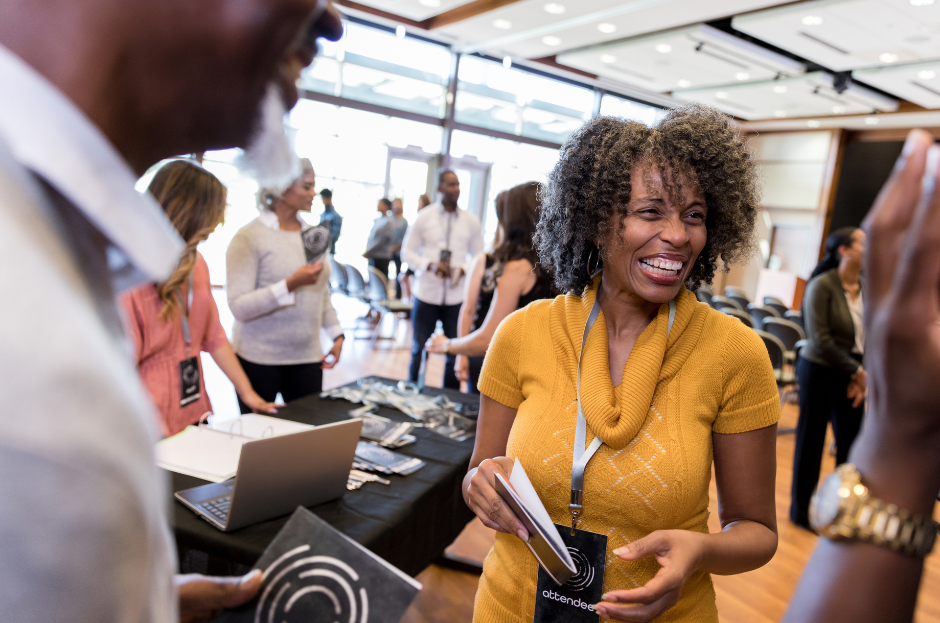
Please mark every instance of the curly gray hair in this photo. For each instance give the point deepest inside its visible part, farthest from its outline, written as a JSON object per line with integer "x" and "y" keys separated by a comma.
{"x": 696, "y": 144}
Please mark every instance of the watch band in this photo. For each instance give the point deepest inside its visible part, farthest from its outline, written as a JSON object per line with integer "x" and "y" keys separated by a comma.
{"x": 889, "y": 526}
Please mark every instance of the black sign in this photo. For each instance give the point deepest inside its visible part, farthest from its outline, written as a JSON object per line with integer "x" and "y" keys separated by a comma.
{"x": 573, "y": 601}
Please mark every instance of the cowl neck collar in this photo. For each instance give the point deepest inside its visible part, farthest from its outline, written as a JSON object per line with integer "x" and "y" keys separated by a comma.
{"x": 617, "y": 414}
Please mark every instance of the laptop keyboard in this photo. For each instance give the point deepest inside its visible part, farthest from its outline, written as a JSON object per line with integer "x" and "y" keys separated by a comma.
{"x": 218, "y": 507}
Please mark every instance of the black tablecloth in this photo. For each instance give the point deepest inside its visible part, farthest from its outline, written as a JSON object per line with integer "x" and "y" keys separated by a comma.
{"x": 408, "y": 523}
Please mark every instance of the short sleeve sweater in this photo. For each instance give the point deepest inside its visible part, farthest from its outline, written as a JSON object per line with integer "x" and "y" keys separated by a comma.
{"x": 654, "y": 469}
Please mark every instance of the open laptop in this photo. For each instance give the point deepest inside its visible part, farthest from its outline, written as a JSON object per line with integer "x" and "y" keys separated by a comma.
{"x": 277, "y": 474}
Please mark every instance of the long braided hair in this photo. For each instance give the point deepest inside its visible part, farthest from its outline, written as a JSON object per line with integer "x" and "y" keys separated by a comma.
{"x": 194, "y": 201}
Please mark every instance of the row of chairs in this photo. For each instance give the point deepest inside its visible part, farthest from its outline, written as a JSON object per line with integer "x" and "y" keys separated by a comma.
{"x": 347, "y": 280}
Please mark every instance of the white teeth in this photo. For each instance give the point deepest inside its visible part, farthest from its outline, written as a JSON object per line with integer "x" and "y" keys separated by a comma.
{"x": 659, "y": 266}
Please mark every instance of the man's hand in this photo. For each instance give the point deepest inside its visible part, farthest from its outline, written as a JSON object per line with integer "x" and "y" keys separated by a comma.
{"x": 202, "y": 597}
{"x": 441, "y": 269}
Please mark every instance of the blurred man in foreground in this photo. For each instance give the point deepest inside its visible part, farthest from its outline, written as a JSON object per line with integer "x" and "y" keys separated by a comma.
{"x": 94, "y": 93}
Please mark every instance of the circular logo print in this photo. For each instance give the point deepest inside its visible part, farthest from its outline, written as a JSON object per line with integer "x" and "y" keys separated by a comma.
{"x": 190, "y": 375}
{"x": 299, "y": 588}
{"x": 585, "y": 575}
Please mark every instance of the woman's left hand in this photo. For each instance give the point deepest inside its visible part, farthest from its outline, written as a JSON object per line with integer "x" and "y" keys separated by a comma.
{"x": 435, "y": 344}
{"x": 332, "y": 357}
{"x": 679, "y": 553}
{"x": 257, "y": 404}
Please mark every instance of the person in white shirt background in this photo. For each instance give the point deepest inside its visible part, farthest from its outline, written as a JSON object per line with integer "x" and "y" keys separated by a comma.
{"x": 439, "y": 247}
{"x": 94, "y": 93}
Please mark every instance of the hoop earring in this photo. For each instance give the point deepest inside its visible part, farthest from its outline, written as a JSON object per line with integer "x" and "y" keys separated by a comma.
{"x": 590, "y": 270}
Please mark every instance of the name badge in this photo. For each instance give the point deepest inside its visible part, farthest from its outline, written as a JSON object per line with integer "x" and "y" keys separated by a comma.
{"x": 189, "y": 381}
{"x": 573, "y": 601}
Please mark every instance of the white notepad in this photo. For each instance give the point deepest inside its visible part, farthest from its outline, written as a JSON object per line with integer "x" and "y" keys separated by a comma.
{"x": 211, "y": 452}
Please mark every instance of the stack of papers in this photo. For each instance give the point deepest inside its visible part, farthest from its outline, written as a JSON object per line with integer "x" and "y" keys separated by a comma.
{"x": 211, "y": 452}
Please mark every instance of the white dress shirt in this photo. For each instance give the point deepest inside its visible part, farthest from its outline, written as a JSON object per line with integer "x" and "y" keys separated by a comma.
{"x": 83, "y": 508}
{"x": 434, "y": 230}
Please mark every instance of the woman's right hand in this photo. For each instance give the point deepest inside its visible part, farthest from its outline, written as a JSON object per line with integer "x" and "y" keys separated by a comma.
{"x": 483, "y": 500}
{"x": 462, "y": 369}
{"x": 306, "y": 275}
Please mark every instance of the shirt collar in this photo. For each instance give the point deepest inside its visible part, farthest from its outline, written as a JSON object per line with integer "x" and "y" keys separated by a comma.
{"x": 269, "y": 219}
{"x": 49, "y": 135}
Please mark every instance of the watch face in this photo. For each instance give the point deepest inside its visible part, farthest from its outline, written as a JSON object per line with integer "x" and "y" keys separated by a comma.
{"x": 825, "y": 505}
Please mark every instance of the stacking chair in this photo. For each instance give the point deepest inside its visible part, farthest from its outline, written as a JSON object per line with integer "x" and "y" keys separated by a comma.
{"x": 788, "y": 332}
{"x": 703, "y": 296}
{"x": 740, "y": 298}
{"x": 775, "y": 303}
{"x": 740, "y": 315}
{"x": 338, "y": 279}
{"x": 355, "y": 285}
{"x": 797, "y": 317}
{"x": 760, "y": 313}
{"x": 380, "y": 301}
{"x": 720, "y": 302}
{"x": 729, "y": 290}
{"x": 786, "y": 379}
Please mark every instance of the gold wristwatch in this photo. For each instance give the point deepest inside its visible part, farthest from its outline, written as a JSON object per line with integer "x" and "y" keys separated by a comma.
{"x": 842, "y": 508}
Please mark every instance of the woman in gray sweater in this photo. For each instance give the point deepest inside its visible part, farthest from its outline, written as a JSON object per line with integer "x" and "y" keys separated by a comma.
{"x": 280, "y": 302}
{"x": 832, "y": 379}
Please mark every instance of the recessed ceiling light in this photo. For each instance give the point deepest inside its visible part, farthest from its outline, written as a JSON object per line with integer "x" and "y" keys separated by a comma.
{"x": 722, "y": 95}
{"x": 608, "y": 58}
{"x": 871, "y": 121}
{"x": 685, "y": 84}
{"x": 400, "y": 32}
{"x": 502, "y": 24}
{"x": 780, "y": 114}
{"x": 507, "y": 62}
{"x": 780, "y": 89}
{"x": 921, "y": 2}
{"x": 812, "y": 20}
{"x": 742, "y": 75}
{"x": 663, "y": 48}
{"x": 606, "y": 28}
{"x": 926, "y": 74}
{"x": 838, "y": 109}
{"x": 812, "y": 123}
{"x": 554, "y": 8}
{"x": 430, "y": 3}
{"x": 888, "y": 57}
{"x": 551, "y": 40}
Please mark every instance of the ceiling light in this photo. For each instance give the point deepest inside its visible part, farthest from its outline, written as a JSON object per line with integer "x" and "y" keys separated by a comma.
{"x": 507, "y": 62}
{"x": 921, "y": 2}
{"x": 926, "y": 74}
{"x": 400, "y": 32}
{"x": 663, "y": 48}
{"x": 780, "y": 89}
{"x": 780, "y": 114}
{"x": 606, "y": 28}
{"x": 502, "y": 24}
{"x": 722, "y": 95}
{"x": 812, "y": 123}
{"x": 685, "y": 84}
{"x": 812, "y": 20}
{"x": 838, "y": 109}
{"x": 888, "y": 57}
{"x": 871, "y": 120}
{"x": 742, "y": 75}
{"x": 551, "y": 40}
{"x": 430, "y": 3}
{"x": 554, "y": 8}
{"x": 608, "y": 58}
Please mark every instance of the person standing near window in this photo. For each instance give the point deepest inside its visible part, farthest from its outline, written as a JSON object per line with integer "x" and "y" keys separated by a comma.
{"x": 280, "y": 302}
{"x": 399, "y": 227}
{"x": 379, "y": 248}
{"x": 832, "y": 380}
{"x": 331, "y": 218}
{"x": 438, "y": 247}
{"x": 170, "y": 323}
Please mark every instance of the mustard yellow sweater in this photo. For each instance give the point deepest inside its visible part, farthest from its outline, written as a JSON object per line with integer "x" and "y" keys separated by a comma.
{"x": 653, "y": 471}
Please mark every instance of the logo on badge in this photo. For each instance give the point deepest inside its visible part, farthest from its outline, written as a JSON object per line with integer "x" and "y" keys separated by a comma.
{"x": 585, "y": 575}
{"x": 190, "y": 375}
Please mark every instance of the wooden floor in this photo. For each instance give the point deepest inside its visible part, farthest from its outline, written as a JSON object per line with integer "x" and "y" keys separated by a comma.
{"x": 757, "y": 597}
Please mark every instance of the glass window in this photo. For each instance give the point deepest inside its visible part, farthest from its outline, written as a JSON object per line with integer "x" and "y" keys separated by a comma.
{"x": 374, "y": 66}
{"x": 614, "y": 106}
{"x": 493, "y": 96}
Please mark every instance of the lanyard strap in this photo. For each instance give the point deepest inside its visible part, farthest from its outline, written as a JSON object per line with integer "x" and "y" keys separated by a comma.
{"x": 184, "y": 317}
{"x": 582, "y": 455}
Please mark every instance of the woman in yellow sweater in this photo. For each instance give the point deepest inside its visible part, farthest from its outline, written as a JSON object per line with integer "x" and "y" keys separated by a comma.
{"x": 632, "y": 216}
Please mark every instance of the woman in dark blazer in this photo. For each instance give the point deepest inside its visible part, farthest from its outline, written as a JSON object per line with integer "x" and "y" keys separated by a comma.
{"x": 832, "y": 379}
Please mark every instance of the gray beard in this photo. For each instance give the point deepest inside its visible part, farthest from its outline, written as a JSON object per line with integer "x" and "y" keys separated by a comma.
{"x": 270, "y": 157}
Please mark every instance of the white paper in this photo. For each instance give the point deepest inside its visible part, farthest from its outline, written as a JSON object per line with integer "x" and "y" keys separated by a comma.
{"x": 254, "y": 426}
{"x": 201, "y": 452}
{"x": 533, "y": 503}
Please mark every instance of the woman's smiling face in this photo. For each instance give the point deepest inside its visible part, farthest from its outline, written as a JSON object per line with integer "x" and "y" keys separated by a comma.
{"x": 660, "y": 240}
